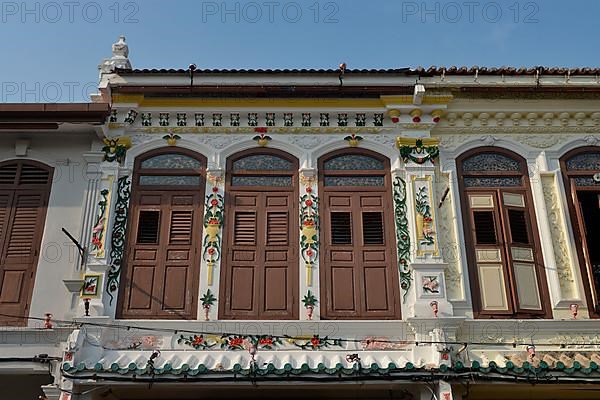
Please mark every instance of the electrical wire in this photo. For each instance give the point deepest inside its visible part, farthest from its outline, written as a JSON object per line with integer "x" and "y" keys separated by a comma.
{"x": 79, "y": 324}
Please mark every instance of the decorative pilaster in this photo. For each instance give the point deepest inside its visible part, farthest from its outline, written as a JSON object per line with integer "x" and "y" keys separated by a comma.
{"x": 214, "y": 213}
{"x": 429, "y": 298}
{"x": 309, "y": 243}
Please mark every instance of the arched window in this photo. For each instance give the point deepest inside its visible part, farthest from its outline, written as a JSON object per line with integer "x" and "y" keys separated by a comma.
{"x": 259, "y": 277}
{"x": 24, "y": 191}
{"x": 164, "y": 235}
{"x": 581, "y": 173}
{"x": 504, "y": 255}
{"x": 359, "y": 274}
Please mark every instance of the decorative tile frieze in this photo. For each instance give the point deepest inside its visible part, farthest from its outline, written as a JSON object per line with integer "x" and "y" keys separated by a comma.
{"x": 163, "y": 119}
{"x": 181, "y": 119}
{"x": 402, "y": 235}
{"x": 199, "y": 119}
{"x": 146, "y": 119}
{"x": 217, "y": 119}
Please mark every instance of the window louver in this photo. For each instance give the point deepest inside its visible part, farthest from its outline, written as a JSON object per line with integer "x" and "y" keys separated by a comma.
{"x": 181, "y": 227}
{"x": 277, "y": 228}
{"x": 341, "y": 228}
{"x": 372, "y": 224}
{"x": 245, "y": 228}
{"x": 148, "y": 227}
{"x": 485, "y": 229}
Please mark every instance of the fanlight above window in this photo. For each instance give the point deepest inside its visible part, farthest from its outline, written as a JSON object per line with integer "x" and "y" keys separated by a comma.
{"x": 170, "y": 169}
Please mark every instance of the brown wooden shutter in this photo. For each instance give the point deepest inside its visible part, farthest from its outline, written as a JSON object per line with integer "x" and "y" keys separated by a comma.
{"x": 259, "y": 274}
{"x": 161, "y": 280}
{"x": 20, "y": 253}
{"x": 24, "y": 191}
{"x": 359, "y": 271}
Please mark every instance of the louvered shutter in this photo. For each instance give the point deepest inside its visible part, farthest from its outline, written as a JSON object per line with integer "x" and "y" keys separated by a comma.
{"x": 359, "y": 272}
{"x": 163, "y": 258}
{"x": 259, "y": 272}
{"x": 23, "y": 226}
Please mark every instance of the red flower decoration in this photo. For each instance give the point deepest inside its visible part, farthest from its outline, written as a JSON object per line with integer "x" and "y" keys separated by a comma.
{"x": 416, "y": 119}
{"x": 436, "y": 119}
{"x": 214, "y": 202}
{"x": 261, "y": 129}
{"x": 309, "y": 190}
{"x": 315, "y": 341}
{"x": 266, "y": 341}
{"x": 215, "y": 189}
{"x": 309, "y": 222}
{"x": 236, "y": 342}
{"x": 197, "y": 340}
{"x": 211, "y": 251}
{"x": 444, "y": 356}
{"x": 309, "y": 253}
{"x": 395, "y": 119}
{"x": 308, "y": 203}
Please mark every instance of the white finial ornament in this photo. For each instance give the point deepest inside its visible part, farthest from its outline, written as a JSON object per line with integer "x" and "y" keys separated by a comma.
{"x": 119, "y": 59}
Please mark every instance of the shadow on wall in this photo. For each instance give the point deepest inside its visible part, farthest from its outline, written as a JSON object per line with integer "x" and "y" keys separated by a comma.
{"x": 23, "y": 386}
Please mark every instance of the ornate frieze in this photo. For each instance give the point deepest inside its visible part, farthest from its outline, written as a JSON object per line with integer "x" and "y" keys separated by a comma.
{"x": 418, "y": 151}
{"x": 426, "y": 235}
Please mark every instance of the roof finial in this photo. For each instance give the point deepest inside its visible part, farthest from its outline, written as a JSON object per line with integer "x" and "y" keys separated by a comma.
{"x": 119, "y": 59}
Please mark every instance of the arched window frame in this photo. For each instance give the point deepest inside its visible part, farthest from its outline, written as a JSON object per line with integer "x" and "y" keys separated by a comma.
{"x": 592, "y": 294}
{"x": 232, "y": 191}
{"x": 502, "y": 229}
{"x": 389, "y": 241}
{"x": 195, "y": 191}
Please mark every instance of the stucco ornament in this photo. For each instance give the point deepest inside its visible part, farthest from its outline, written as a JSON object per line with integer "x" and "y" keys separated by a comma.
{"x": 402, "y": 234}
{"x": 213, "y": 222}
{"x": 309, "y": 227}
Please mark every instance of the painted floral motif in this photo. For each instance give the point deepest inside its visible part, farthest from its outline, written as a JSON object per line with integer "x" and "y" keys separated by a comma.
{"x": 146, "y": 119}
{"x": 353, "y": 140}
{"x": 117, "y": 244}
{"x": 430, "y": 284}
{"x": 130, "y": 117}
{"x": 217, "y": 119}
{"x": 234, "y": 119}
{"x": 306, "y": 119}
{"x": 198, "y": 342}
{"x": 199, "y": 119}
{"x": 309, "y": 301}
{"x": 252, "y": 119}
{"x": 171, "y": 139}
{"x": 343, "y": 119}
{"x": 324, "y": 119}
{"x": 288, "y": 119}
{"x": 213, "y": 220}
{"x": 100, "y": 225}
{"x": 378, "y": 119}
{"x": 402, "y": 234}
{"x": 266, "y": 342}
{"x": 424, "y": 216}
{"x": 116, "y": 149}
{"x": 207, "y": 301}
{"x": 316, "y": 343}
{"x": 270, "y": 119}
{"x": 361, "y": 119}
{"x": 163, "y": 119}
{"x": 418, "y": 153}
{"x": 181, "y": 119}
{"x": 309, "y": 228}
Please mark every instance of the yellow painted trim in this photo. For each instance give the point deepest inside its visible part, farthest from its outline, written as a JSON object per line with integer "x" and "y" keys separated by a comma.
{"x": 405, "y": 141}
{"x": 408, "y": 99}
{"x": 419, "y": 223}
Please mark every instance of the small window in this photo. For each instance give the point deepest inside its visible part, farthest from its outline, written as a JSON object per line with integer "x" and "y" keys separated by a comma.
{"x": 372, "y": 224}
{"x": 171, "y": 161}
{"x": 341, "y": 228}
{"x": 485, "y": 228}
{"x": 351, "y": 162}
{"x": 518, "y": 226}
{"x": 148, "y": 227}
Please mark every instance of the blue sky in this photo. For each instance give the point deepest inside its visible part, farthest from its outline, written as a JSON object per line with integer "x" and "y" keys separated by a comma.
{"x": 50, "y": 50}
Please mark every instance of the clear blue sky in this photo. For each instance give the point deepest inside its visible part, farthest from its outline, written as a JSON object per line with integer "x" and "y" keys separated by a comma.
{"x": 48, "y": 47}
